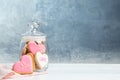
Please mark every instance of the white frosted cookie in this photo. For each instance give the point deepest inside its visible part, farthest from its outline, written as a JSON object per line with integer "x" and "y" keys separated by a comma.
{"x": 41, "y": 60}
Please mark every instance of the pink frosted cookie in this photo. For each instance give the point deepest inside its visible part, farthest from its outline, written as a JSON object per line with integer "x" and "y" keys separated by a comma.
{"x": 33, "y": 47}
{"x": 25, "y": 65}
{"x": 42, "y": 48}
{"x": 41, "y": 60}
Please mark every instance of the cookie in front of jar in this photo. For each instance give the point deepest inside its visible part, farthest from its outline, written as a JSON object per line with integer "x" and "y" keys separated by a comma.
{"x": 25, "y": 65}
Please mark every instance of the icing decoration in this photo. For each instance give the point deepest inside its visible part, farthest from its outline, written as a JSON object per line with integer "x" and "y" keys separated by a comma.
{"x": 24, "y": 66}
{"x": 33, "y": 47}
{"x": 41, "y": 60}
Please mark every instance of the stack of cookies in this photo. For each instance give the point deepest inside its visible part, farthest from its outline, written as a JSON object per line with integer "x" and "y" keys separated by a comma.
{"x": 33, "y": 58}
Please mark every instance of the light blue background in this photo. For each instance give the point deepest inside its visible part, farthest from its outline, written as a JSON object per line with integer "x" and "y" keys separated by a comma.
{"x": 85, "y": 31}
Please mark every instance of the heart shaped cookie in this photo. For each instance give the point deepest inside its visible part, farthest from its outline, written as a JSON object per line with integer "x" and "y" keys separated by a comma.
{"x": 33, "y": 47}
{"x": 41, "y": 60}
{"x": 25, "y": 65}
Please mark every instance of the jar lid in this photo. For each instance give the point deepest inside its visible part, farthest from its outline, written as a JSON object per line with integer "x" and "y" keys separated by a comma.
{"x": 32, "y": 34}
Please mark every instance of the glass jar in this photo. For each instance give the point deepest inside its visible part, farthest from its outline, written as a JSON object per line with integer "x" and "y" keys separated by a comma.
{"x": 34, "y": 42}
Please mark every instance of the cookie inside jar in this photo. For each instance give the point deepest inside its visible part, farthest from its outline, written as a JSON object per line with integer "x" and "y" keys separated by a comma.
{"x": 33, "y": 47}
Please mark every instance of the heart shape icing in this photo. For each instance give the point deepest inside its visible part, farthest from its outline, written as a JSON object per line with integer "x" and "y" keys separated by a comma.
{"x": 41, "y": 60}
{"x": 25, "y": 65}
{"x": 33, "y": 47}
